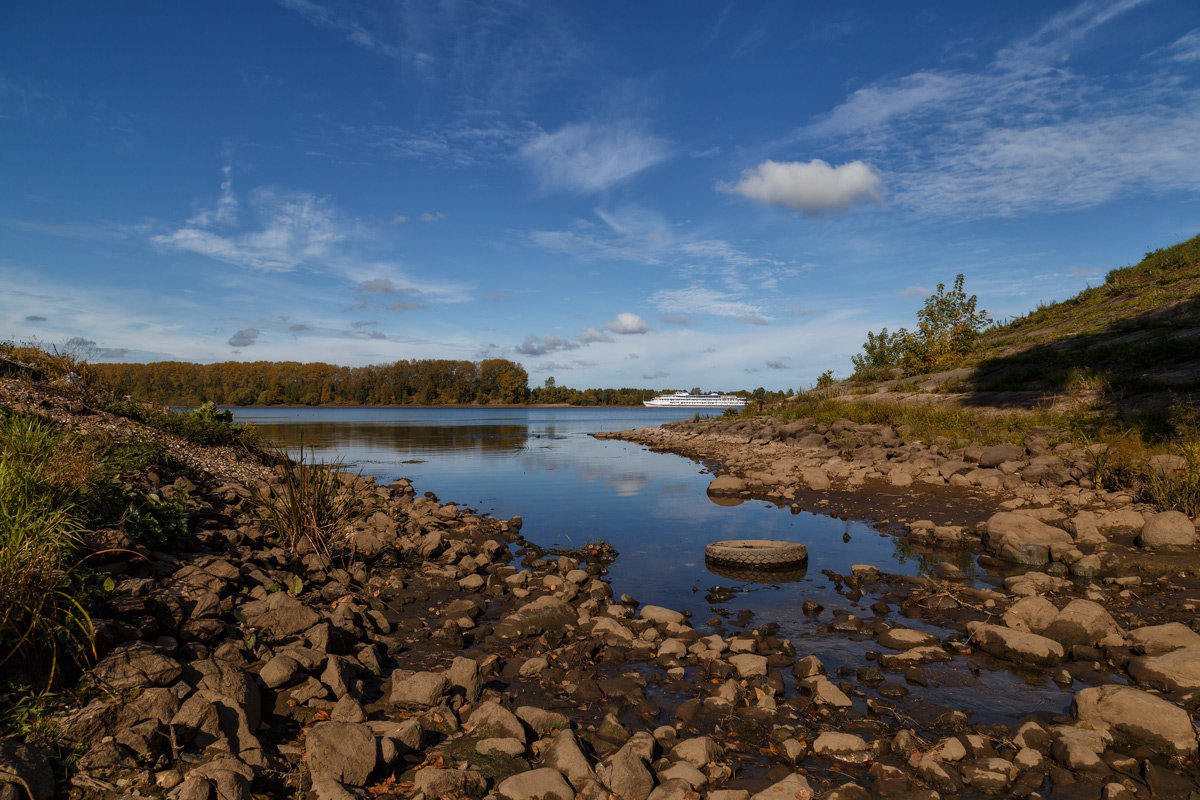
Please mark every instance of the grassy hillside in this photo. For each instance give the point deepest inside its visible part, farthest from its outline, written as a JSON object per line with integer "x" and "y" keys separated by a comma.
{"x": 1138, "y": 333}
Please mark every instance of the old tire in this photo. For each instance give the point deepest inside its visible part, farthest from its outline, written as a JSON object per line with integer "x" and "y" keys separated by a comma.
{"x": 756, "y": 554}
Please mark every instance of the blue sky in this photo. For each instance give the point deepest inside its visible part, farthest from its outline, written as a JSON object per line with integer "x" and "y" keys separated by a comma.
{"x": 723, "y": 195}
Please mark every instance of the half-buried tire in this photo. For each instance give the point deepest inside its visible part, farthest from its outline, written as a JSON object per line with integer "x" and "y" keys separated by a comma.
{"x": 757, "y": 554}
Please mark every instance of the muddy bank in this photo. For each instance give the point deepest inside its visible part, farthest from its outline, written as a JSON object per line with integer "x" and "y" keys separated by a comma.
{"x": 450, "y": 657}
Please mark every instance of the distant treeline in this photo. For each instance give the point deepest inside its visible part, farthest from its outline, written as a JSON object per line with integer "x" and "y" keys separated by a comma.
{"x": 416, "y": 382}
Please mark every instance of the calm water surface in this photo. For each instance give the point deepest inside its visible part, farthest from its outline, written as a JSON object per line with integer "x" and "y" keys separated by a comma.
{"x": 569, "y": 488}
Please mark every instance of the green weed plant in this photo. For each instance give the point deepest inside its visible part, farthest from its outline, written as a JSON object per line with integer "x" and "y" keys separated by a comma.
{"x": 311, "y": 506}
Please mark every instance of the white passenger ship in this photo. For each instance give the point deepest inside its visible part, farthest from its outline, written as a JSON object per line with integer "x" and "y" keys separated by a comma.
{"x": 685, "y": 400}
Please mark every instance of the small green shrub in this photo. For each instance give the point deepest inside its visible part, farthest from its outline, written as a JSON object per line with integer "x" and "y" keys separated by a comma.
{"x": 205, "y": 425}
{"x": 825, "y": 379}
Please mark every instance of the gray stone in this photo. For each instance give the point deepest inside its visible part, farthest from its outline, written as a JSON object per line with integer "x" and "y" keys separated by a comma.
{"x": 682, "y": 771}
{"x": 1178, "y": 669}
{"x": 564, "y": 754}
{"x": 280, "y": 614}
{"x": 793, "y": 787}
{"x": 842, "y": 746}
{"x": 463, "y": 675}
{"x": 1121, "y": 519}
{"x": 1018, "y": 646}
{"x": 1168, "y": 529}
{"x": 342, "y": 751}
{"x": 279, "y": 671}
{"x": 329, "y": 789}
{"x": 825, "y": 693}
{"x": 541, "y": 721}
{"x": 1154, "y": 640}
{"x": 1138, "y": 718}
{"x": 900, "y": 638}
{"x": 235, "y": 695}
{"x": 997, "y": 454}
{"x": 433, "y": 782}
{"x": 815, "y": 478}
{"x": 1033, "y": 614}
{"x": 420, "y": 689}
{"x": 726, "y": 485}
{"x": 536, "y": 784}
{"x": 748, "y": 664}
{"x": 1022, "y": 539}
{"x": 626, "y": 775}
{"x": 134, "y": 665}
{"x": 492, "y": 719}
{"x": 506, "y": 746}
{"x": 673, "y": 789}
{"x": 697, "y": 751}
{"x": 661, "y": 616}
{"x": 1082, "y": 622}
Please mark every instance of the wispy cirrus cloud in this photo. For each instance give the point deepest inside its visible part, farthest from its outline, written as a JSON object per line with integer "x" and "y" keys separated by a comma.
{"x": 702, "y": 300}
{"x": 284, "y": 231}
{"x": 294, "y": 229}
{"x": 591, "y": 157}
{"x": 1026, "y": 132}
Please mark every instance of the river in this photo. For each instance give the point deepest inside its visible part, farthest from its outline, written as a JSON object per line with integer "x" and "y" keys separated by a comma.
{"x": 569, "y": 488}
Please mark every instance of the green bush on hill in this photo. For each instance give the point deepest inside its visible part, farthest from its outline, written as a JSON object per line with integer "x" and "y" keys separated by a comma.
{"x": 948, "y": 326}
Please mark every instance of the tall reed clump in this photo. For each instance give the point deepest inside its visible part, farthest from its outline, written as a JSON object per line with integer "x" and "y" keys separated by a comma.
{"x": 311, "y": 505}
{"x": 41, "y": 615}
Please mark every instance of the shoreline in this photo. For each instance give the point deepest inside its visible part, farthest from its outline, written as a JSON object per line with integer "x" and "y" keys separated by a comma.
{"x": 451, "y": 657}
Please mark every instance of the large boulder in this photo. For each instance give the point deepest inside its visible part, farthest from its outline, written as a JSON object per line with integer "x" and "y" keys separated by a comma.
{"x": 1082, "y": 622}
{"x": 1033, "y": 614}
{"x": 341, "y": 751}
{"x": 1014, "y": 645}
{"x": 1022, "y": 539}
{"x": 1178, "y": 669}
{"x": 793, "y": 787}
{"x": 1168, "y": 529}
{"x": 137, "y": 664}
{"x": 1154, "y": 640}
{"x": 997, "y": 454}
{"x": 536, "y": 784}
{"x": 626, "y": 775}
{"x": 726, "y": 485}
{"x": 418, "y": 689}
{"x": 1136, "y": 717}
{"x": 279, "y": 615}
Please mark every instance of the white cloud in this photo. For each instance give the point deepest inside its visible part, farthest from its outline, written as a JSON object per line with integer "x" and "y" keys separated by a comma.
{"x": 290, "y": 230}
{"x": 700, "y": 300}
{"x": 582, "y": 157}
{"x": 244, "y": 338}
{"x": 627, "y": 323}
{"x": 225, "y": 214}
{"x": 589, "y": 335}
{"x": 296, "y": 228}
{"x": 913, "y": 291}
{"x": 534, "y": 346}
{"x": 658, "y": 373}
{"x": 1187, "y": 47}
{"x": 432, "y": 217}
{"x": 814, "y": 187}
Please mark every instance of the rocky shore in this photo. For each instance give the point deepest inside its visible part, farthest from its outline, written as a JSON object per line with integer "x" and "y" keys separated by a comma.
{"x": 451, "y": 658}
